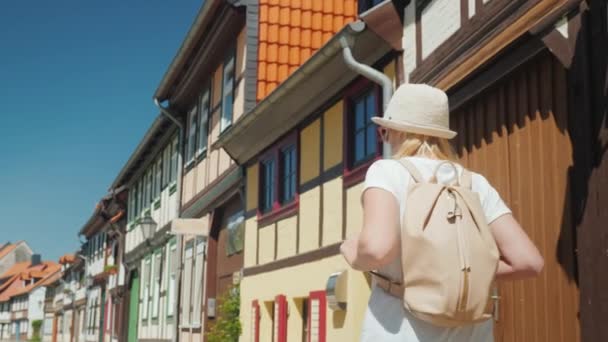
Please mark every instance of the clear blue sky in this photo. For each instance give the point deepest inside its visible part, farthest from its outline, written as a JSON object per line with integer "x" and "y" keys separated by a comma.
{"x": 76, "y": 85}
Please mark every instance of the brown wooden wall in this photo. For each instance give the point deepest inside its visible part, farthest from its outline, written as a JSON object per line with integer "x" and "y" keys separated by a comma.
{"x": 589, "y": 75}
{"x": 220, "y": 266}
{"x": 516, "y": 134}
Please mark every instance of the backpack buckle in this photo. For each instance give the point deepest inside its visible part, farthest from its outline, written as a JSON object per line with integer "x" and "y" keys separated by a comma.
{"x": 456, "y": 212}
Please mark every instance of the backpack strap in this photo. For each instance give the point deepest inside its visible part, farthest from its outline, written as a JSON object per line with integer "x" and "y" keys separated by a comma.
{"x": 466, "y": 179}
{"x": 411, "y": 168}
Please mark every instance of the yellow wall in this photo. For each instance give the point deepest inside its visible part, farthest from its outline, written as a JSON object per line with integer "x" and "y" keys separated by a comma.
{"x": 309, "y": 220}
{"x": 287, "y": 235}
{"x": 333, "y": 136}
{"x": 297, "y": 282}
{"x": 332, "y": 211}
{"x": 267, "y": 236}
{"x": 252, "y": 187}
{"x": 251, "y": 242}
{"x": 310, "y": 151}
{"x": 354, "y": 213}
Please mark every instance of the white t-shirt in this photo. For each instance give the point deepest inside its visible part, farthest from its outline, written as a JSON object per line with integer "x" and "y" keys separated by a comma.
{"x": 386, "y": 319}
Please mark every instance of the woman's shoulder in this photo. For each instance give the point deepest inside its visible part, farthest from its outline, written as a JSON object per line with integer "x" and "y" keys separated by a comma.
{"x": 389, "y": 169}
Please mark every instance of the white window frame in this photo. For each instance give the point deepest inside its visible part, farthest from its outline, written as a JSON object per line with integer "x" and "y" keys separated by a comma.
{"x": 228, "y": 82}
{"x": 192, "y": 134}
{"x": 174, "y": 166}
{"x": 171, "y": 274}
{"x": 203, "y": 122}
{"x": 156, "y": 284}
{"x": 186, "y": 320}
{"x": 145, "y": 300}
{"x": 197, "y": 288}
{"x": 166, "y": 167}
{"x": 158, "y": 177}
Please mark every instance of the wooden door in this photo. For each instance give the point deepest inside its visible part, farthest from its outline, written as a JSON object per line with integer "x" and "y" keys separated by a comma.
{"x": 516, "y": 134}
{"x": 133, "y": 308}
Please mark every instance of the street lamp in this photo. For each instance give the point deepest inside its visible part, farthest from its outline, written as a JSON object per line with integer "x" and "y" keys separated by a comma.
{"x": 147, "y": 226}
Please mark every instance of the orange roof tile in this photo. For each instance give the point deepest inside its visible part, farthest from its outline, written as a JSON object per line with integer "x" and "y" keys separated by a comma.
{"x": 16, "y": 269}
{"x": 15, "y": 286}
{"x": 290, "y": 31}
{"x": 7, "y": 249}
{"x": 67, "y": 259}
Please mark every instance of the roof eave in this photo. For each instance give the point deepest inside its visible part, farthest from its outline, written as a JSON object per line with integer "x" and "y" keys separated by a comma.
{"x": 150, "y": 134}
{"x": 203, "y": 19}
{"x": 318, "y": 78}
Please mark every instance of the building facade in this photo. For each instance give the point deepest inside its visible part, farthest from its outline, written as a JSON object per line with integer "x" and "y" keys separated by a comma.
{"x": 12, "y": 253}
{"x": 22, "y": 298}
{"x": 150, "y": 257}
{"x": 305, "y": 161}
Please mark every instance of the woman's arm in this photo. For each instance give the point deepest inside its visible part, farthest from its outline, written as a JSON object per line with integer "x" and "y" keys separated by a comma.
{"x": 378, "y": 242}
{"x": 519, "y": 258}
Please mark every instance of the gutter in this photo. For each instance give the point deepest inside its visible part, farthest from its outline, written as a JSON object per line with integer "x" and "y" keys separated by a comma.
{"x": 373, "y": 75}
{"x": 165, "y": 111}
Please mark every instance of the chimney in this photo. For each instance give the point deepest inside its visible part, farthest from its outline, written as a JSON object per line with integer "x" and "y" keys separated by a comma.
{"x": 35, "y": 259}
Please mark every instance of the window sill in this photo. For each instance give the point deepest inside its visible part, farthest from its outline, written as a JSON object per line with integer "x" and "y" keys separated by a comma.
{"x": 357, "y": 174}
{"x": 189, "y": 164}
{"x": 200, "y": 155}
{"x": 156, "y": 204}
{"x": 172, "y": 189}
{"x": 279, "y": 213}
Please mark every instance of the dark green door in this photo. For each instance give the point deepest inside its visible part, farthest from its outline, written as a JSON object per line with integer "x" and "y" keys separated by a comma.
{"x": 134, "y": 307}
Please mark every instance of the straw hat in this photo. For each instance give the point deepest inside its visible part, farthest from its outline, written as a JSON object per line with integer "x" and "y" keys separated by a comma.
{"x": 419, "y": 109}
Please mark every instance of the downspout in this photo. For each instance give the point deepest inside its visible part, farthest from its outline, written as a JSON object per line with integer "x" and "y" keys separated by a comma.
{"x": 373, "y": 75}
{"x": 178, "y": 207}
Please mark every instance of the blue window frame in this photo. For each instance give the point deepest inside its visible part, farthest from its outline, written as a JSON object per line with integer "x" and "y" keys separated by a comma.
{"x": 288, "y": 174}
{"x": 267, "y": 188}
{"x": 278, "y": 172}
{"x": 365, "y": 143}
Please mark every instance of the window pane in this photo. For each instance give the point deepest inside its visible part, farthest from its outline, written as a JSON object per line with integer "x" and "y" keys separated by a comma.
{"x": 372, "y": 141}
{"x": 235, "y": 228}
{"x": 359, "y": 146}
{"x": 359, "y": 115}
{"x": 370, "y": 106}
{"x": 227, "y": 94}
{"x": 268, "y": 176}
{"x": 288, "y": 172}
{"x": 192, "y": 127}
{"x": 203, "y": 125}
{"x": 174, "y": 161}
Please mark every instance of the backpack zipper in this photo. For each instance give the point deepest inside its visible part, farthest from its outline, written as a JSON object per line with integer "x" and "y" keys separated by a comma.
{"x": 465, "y": 267}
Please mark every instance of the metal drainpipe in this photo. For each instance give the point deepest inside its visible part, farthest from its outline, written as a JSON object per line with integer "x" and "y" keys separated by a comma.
{"x": 178, "y": 246}
{"x": 375, "y": 76}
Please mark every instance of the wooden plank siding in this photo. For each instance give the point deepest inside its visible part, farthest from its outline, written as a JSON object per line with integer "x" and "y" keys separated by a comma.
{"x": 516, "y": 134}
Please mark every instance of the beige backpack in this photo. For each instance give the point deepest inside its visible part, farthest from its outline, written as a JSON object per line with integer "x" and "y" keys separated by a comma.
{"x": 448, "y": 254}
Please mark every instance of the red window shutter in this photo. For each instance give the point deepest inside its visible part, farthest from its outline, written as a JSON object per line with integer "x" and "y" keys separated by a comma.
{"x": 317, "y": 309}
{"x": 255, "y": 321}
{"x": 280, "y": 317}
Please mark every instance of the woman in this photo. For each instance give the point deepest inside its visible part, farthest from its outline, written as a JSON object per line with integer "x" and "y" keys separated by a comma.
{"x": 416, "y": 127}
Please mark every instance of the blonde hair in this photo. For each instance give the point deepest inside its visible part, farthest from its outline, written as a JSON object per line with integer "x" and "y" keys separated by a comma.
{"x": 418, "y": 145}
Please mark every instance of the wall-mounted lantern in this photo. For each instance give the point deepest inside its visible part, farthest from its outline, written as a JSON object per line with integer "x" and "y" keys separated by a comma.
{"x": 336, "y": 290}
